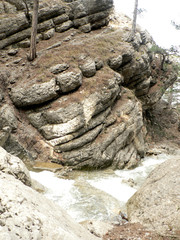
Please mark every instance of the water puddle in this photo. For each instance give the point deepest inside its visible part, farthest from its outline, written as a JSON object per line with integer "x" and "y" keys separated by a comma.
{"x": 97, "y": 195}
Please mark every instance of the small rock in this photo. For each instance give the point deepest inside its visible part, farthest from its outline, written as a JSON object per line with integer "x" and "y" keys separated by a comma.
{"x": 85, "y": 28}
{"x": 69, "y": 81}
{"x": 18, "y": 60}
{"x": 48, "y": 34}
{"x": 88, "y": 67}
{"x": 24, "y": 44}
{"x": 99, "y": 64}
{"x": 59, "y": 68}
{"x": 64, "y": 26}
{"x": 54, "y": 45}
{"x": 68, "y": 38}
{"x": 115, "y": 62}
{"x": 12, "y": 52}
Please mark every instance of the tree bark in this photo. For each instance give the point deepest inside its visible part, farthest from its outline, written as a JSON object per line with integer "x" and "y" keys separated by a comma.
{"x": 170, "y": 96}
{"x": 33, "y": 54}
{"x": 133, "y": 30}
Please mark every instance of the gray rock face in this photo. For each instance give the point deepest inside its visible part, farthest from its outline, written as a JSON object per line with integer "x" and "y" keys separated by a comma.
{"x": 88, "y": 67}
{"x": 8, "y": 117}
{"x": 35, "y": 94}
{"x": 26, "y": 214}
{"x": 59, "y": 68}
{"x": 9, "y": 26}
{"x": 115, "y": 63}
{"x": 85, "y": 117}
{"x": 156, "y": 203}
{"x": 69, "y": 81}
{"x": 14, "y": 166}
{"x": 64, "y": 26}
{"x": 48, "y": 34}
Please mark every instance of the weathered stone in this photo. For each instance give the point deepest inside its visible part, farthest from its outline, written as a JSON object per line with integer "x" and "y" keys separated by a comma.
{"x": 7, "y": 117}
{"x": 88, "y": 67}
{"x": 81, "y": 141}
{"x": 48, "y": 34}
{"x": 79, "y": 10}
{"x": 143, "y": 87}
{"x": 69, "y": 81}
{"x": 50, "y": 12}
{"x": 146, "y": 37}
{"x": 60, "y": 19}
{"x": 94, "y": 6}
{"x": 93, "y": 18}
{"x": 12, "y": 51}
{"x": 156, "y": 203}
{"x": 1, "y": 95}
{"x": 24, "y": 44}
{"x": 14, "y": 166}
{"x": 13, "y": 25}
{"x": 85, "y": 28}
{"x": 37, "y": 120}
{"x": 17, "y": 37}
{"x": 64, "y": 26}
{"x": 27, "y": 214}
{"x": 17, "y": 3}
{"x": 4, "y": 135}
{"x": 59, "y": 130}
{"x": 7, "y": 8}
{"x": 99, "y": 64}
{"x": 137, "y": 41}
{"x": 59, "y": 68}
{"x": 80, "y": 21}
{"x": 115, "y": 62}
{"x": 44, "y": 26}
{"x": 13, "y": 146}
{"x": 17, "y": 60}
{"x": 35, "y": 94}
{"x": 99, "y": 24}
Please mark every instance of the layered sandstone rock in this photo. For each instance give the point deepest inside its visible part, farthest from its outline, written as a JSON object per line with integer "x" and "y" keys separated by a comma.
{"x": 81, "y": 102}
{"x": 53, "y": 16}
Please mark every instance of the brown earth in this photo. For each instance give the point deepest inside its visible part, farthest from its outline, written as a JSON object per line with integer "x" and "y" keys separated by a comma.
{"x": 135, "y": 231}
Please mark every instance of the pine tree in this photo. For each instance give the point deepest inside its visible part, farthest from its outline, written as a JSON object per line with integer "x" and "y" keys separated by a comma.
{"x": 33, "y": 54}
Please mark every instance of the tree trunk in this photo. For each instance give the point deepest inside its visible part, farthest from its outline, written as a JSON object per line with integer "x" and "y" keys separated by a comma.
{"x": 170, "y": 96}
{"x": 27, "y": 10}
{"x": 133, "y": 30}
{"x": 33, "y": 55}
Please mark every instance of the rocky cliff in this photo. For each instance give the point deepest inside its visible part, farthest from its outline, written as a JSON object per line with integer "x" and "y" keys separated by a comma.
{"x": 81, "y": 102}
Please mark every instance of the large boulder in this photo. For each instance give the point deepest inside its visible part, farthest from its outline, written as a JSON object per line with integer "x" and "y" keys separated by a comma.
{"x": 14, "y": 166}
{"x": 34, "y": 94}
{"x": 69, "y": 81}
{"x": 156, "y": 204}
{"x": 26, "y": 214}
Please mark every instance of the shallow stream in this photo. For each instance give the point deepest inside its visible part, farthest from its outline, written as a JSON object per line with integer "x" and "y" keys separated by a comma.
{"x": 96, "y": 195}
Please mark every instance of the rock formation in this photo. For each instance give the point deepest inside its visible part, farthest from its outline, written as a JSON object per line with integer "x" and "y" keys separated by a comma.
{"x": 27, "y": 214}
{"x": 157, "y": 203}
{"x": 81, "y": 102}
{"x": 54, "y": 16}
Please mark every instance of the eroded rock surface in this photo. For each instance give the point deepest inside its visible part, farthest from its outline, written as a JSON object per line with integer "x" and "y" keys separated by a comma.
{"x": 156, "y": 203}
{"x": 53, "y": 16}
{"x": 81, "y": 102}
{"x": 14, "y": 166}
{"x": 26, "y": 214}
